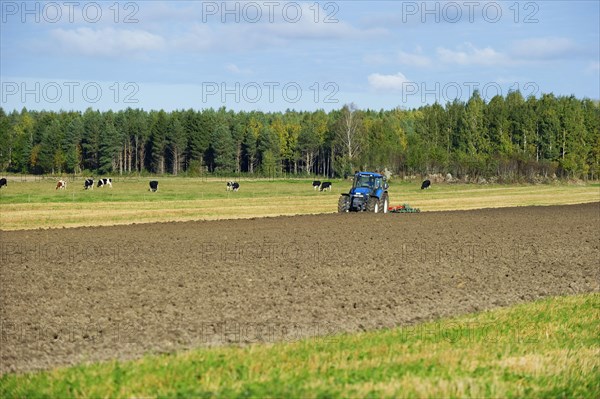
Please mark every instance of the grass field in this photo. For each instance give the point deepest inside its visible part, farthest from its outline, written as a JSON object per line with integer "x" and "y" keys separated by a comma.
{"x": 33, "y": 204}
{"x": 549, "y": 348}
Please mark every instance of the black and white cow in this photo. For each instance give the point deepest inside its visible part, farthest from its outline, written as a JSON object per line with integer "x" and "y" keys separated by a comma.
{"x": 88, "y": 184}
{"x": 3, "y": 182}
{"x": 233, "y": 186}
{"x": 326, "y": 185}
{"x": 425, "y": 184}
{"x": 154, "y": 186}
{"x": 105, "y": 182}
{"x": 316, "y": 184}
{"x": 61, "y": 184}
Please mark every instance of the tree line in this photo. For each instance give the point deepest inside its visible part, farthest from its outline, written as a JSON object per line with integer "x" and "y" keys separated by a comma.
{"x": 509, "y": 137}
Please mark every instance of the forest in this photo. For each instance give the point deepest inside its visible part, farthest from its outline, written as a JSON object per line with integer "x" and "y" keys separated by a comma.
{"x": 508, "y": 137}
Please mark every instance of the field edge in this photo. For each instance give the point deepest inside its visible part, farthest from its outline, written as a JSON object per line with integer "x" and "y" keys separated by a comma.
{"x": 544, "y": 348}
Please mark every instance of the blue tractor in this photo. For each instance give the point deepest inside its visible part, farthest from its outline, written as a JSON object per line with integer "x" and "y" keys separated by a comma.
{"x": 368, "y": 193}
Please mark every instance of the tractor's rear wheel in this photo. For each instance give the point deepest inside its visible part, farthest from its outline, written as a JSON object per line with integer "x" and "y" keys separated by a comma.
{"x": 384, "y": 203}
{"x": 344, "y": 204}
{"x": 373, "y": 205}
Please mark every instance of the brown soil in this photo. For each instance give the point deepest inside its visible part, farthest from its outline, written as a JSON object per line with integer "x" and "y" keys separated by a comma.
{"x": 89, "y": 294}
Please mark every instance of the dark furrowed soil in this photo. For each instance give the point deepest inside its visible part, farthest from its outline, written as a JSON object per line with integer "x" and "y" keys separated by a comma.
{"x": 91, "y": 294}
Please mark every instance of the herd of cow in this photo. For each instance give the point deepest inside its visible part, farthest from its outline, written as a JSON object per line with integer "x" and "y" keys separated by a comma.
{"x": 88, "y": 184}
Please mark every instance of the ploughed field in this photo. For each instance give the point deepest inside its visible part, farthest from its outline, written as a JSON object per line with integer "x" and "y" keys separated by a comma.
{"x": 89, "y": 294}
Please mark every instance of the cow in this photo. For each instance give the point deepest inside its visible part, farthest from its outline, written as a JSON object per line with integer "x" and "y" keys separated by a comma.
{"x": 316, "y": 184}
{"x": 105, "y": 182}
{"x": 88, "y": 184}
{"x": 3, "y": 182}
{"x": 61, "y": 184}
{"x": 326, "y": 185}
{"x": 233, "y": 186}
{"x": 425, "y": 184}
{"x": 153, "y": 186}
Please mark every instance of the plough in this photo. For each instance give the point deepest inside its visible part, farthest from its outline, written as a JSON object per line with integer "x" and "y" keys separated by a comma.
{"x": 404, "y": 208}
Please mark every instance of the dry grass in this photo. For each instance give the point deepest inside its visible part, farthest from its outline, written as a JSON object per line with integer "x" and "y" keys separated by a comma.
{"x": 464, "y": 197}
{"x": 25, "y": 216}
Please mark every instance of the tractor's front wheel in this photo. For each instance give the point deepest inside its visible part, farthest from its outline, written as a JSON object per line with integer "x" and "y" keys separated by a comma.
{"x": 384, "y": 203}
{"x": 343, "y": 204}
{"x": 373, "y": 205}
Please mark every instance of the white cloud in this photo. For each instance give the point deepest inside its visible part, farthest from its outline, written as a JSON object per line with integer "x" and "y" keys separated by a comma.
{"x": 510, "y": 79}
{"x": 375, "y": 59}
{"x": 387, "y": 82}
{"x": 312, "y": 26}
{"x": 412, "y": 59}
{"x": 593, "y": 67}
{"x": 416, "y": 59}
{"x": 243, "y": 36}
{"x": 224, "y": 38}
{"x": 545, "y": 48}
{"x": 468, "y": 54}
{"x": 198, "y": 38}
{"x": 521, "y": 52}
{"x": 233, "y": 68}
{"x": 289, "y": 20}
{"x": 184, "y": 27}
{"x": 107, "y": 41}
{"x": 308, "y": 30}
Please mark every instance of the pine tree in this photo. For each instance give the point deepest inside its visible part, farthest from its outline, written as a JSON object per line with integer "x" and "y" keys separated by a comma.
{"x": 8, "y": 141}
{"x": 110, "y": 145}
{"x": 224, "y": 149}
{"x": 268, "y": 147}
{"x": 158, "y": 141}
{"x": 250, "y": 143}
{"x": 51, "y": 156}
{"x": 177, "y": 141}
{"x": 73, "y": 136}
{"x": 90, "y": 144}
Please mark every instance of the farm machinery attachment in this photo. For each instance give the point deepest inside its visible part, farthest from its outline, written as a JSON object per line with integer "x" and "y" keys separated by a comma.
{"x": 404, "y": 208}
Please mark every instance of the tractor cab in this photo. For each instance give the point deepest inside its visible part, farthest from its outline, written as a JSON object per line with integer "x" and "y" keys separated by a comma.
{"x": 366, "y": 183}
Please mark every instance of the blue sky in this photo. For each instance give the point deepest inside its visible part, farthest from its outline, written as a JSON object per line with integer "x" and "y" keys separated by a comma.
{"x": 275, "y": 55}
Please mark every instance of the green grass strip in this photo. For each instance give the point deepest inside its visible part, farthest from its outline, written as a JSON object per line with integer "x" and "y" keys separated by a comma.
{"x": 549, "y": 348}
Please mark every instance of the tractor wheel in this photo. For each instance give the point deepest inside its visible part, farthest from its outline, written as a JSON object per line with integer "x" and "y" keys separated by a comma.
{"x": 384, "y": 203}
{"x": 373, "y": 205}
{"x": 343, "y": 204}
